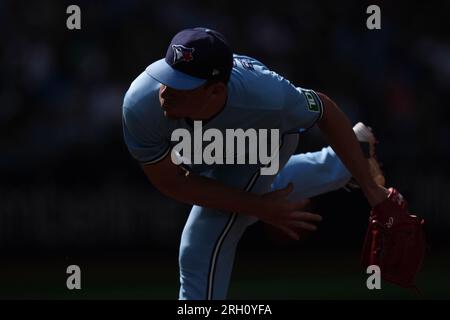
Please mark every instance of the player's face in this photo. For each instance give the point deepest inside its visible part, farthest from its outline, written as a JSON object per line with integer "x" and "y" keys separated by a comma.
{"x": 183, "y": 103}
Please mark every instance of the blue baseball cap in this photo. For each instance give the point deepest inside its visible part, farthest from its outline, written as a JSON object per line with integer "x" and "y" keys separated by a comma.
{"x": 194, "y": 57}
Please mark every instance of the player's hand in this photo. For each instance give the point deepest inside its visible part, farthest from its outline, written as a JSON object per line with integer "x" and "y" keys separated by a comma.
{"x": 279, "y": 211}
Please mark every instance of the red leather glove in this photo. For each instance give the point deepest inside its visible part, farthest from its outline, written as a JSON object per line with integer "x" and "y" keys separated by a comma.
{"x": 395, "y": 241}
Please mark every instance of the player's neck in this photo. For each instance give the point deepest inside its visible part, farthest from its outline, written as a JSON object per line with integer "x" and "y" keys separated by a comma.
{"x": 213, "y": 109}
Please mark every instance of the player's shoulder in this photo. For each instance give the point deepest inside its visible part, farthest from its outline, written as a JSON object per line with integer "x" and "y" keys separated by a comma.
{"x": 254, "y": 85}
{"x": 250, "y": 71}
{"x": 142, "y": 95}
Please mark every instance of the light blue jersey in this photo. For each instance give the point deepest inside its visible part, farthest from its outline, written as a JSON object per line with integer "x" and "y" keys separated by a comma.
{"x": 258, "y": 98}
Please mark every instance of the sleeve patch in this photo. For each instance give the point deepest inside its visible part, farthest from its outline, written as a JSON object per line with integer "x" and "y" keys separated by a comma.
{"x": 312, "y": 100}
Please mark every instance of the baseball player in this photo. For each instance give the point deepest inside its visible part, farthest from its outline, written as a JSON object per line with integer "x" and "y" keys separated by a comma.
{"x": 200, "y": 79}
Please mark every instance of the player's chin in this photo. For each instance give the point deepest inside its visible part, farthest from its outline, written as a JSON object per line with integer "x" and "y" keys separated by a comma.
{"x": 171, "y": 115}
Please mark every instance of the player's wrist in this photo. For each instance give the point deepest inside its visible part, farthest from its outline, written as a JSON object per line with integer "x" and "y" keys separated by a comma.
{"x": 248, "y": 203}
{"x": 375, "y": 194}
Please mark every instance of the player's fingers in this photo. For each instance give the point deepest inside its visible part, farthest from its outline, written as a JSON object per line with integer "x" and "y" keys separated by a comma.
{"x": 305, "y": 216}
{"x": 291, "y": 233}
{"x": 303, "y": 225}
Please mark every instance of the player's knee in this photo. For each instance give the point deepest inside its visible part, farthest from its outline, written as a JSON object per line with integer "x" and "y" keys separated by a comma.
{"x": 333, "y": 168}
{"x": 188, "y": 257}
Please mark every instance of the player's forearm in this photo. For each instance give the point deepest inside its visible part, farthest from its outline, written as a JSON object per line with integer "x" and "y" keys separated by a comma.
{"x": 210, "y": 193}
{"x": 338, "y": 130}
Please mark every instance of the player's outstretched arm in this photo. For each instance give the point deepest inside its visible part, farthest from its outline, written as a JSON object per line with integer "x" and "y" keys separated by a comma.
{"x": 273, "y": 207}
{"x": 338, "y": 130}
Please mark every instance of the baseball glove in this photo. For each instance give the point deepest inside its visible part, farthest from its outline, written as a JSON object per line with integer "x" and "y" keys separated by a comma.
{"x": 395, "y": 241}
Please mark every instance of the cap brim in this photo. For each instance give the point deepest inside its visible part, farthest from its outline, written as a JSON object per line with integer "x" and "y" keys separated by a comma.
{"x": 162, "y": 72}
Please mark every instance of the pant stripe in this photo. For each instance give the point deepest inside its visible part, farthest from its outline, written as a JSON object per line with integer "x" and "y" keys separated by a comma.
{"x": 212, "y": 268}
{"x": 221, "y": 239}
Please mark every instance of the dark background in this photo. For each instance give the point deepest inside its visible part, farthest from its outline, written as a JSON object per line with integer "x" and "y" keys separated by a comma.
{"x": 71, "y": 194}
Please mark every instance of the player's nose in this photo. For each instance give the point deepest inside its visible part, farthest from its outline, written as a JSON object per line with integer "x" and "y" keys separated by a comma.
{"x": 166, "y": 92}
{"x": 163, "y": 91}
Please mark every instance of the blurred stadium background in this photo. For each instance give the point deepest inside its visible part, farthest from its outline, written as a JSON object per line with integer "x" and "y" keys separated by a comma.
{"x": 71, "y": 194}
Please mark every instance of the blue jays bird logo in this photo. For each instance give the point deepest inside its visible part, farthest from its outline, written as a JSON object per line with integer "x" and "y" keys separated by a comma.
{"x": 182, "y": 53}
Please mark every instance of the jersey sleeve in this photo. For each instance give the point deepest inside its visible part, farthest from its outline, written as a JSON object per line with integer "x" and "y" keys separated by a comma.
{"x": 297, "y": 108}
{"x": 302, "y": 108}
{"x": 144, "y": 140}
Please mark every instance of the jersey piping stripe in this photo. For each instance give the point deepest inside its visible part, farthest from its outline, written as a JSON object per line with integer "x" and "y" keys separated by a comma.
{"x": 162, "y": 156}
